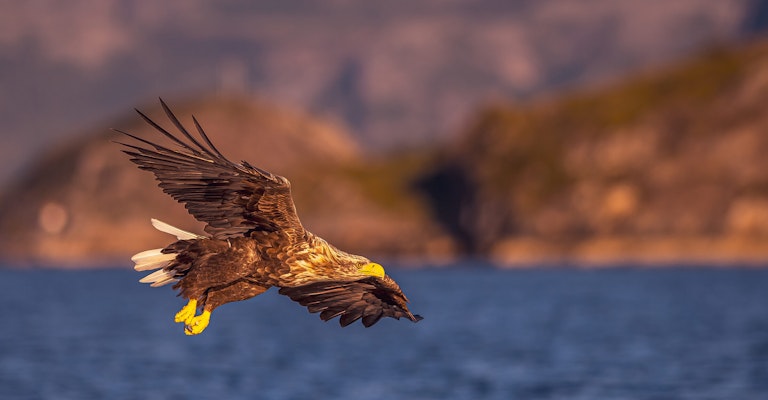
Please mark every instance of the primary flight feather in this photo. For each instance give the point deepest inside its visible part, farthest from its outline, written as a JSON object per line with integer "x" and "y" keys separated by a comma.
{"x": 255, "y": 239}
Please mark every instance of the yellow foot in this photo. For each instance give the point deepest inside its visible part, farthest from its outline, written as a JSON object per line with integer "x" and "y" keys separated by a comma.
{"x": 187, "y": 312}
{"x": 197, "y": 324}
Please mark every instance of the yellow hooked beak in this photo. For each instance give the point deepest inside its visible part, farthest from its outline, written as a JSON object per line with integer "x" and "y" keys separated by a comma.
{"x": 372, "y": 269}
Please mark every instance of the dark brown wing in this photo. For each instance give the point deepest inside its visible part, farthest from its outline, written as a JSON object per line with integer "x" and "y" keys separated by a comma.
{"x": 232, "y": 199}
{"x": 369, "y": 299}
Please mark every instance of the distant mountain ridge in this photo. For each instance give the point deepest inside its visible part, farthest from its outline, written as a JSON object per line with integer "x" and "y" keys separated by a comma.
{"x": 84, "y": 203}
{"x": 666, "y": 165}
{"x": 395, "y": 73}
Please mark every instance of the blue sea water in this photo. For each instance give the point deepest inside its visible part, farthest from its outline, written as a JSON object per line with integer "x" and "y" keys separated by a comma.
{"x": 680, "y": 333}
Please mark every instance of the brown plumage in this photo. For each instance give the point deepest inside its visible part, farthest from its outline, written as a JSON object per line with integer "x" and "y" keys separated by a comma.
{"x": 255, "y": 239}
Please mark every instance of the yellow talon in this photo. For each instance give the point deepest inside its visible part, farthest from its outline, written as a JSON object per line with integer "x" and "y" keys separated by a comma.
{"x": 197, "y": 324}
{"x": 187, "y": 312}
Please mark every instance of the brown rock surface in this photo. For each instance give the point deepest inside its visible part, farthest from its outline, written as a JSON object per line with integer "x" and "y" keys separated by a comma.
{"x": 84, "y": 203}
{"x": 669, "y": 165}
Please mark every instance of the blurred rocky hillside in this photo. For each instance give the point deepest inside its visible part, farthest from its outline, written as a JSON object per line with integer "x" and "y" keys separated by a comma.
{"x": 84, "y": 203}
{"x": 394, "y": 73}
{"x": 666, "y": 165}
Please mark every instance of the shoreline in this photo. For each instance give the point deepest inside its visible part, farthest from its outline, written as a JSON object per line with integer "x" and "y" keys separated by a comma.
{"x": 611, "y": 251}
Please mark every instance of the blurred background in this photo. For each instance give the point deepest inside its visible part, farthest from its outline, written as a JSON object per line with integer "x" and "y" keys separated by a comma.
{"x": 517, "y": 131}
{"x": 462, "y": 134}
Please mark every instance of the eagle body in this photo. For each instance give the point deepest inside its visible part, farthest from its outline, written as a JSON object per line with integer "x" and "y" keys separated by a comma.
{"x": 254, "y": 240}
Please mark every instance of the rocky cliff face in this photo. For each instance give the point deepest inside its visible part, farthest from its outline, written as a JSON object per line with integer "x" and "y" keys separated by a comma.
{"x": 84, "y": 202}
{"x": 668, "y": 165}
{"x": 395, "y": 72}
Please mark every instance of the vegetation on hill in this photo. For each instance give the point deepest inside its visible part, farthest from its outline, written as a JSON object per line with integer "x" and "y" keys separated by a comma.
{"x": 668, "y": 164}
{"x": 84, "y": 202}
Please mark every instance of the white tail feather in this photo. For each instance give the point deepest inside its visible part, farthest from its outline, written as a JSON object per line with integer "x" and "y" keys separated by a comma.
{"x": 163, "y": 282}
{"x": 155, "y": 259}
{"x": 158, "y": 278}
{"x": 146, "y": 254}
{"x": 152, "y": 259}
{"x": 172, "y": 230}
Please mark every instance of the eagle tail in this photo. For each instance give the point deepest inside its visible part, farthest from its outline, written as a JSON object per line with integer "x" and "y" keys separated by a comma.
{"x": 155, "y": 259}
{"x": 151, "y": 259}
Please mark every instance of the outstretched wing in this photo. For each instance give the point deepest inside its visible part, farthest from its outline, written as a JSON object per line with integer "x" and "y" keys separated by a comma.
{"x": 232, "y": 199}
{"x": 369, "y": 299}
